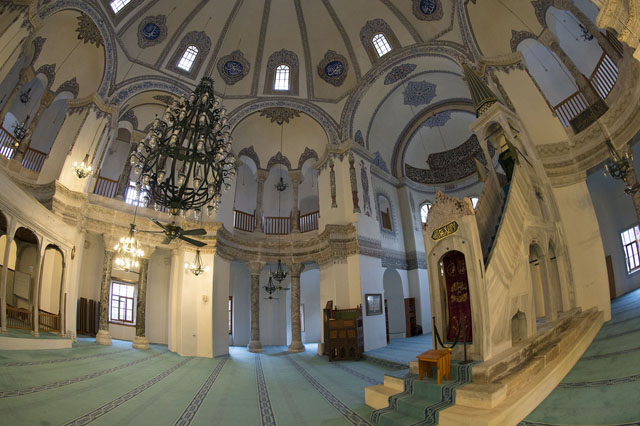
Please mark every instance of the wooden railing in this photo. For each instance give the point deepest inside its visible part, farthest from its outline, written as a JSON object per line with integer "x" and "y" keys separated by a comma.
{"x": 488, "y": 211}
{"x": 7, "y": 143}
{"x": 277, "y": 225}
{"x": 19, "y": 318}
{"x": 48, "y": 321}
{"x": 309, "y": 222}
{"x": 244, "y": 221}
{"x": 617, "y": 44}
{"x": 106, "y": 187}
{"x": 33, "y": 159}
{"x": 604, "y": 76}
{"x": 569, "y": 109}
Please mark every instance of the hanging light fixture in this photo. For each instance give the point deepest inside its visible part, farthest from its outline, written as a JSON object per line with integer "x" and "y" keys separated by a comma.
{"x": 25, "y": 96}
{"x": 618, "y": 166}
{"x": 128, "y": 251}
{"x": 84, "y": 168}
{"x": 186, "y": 160}
{"x": 196, "y": 267}
{"x": 21, "y": 130}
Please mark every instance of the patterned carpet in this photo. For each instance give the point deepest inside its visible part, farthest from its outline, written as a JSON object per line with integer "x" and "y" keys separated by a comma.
{"x": 603, "y": 388}
{"x": 117, "y": 385}
{"x": 401, "y": 351}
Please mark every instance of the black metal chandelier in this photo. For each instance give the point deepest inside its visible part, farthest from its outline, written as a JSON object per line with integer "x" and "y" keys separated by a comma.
{"x": 279, "y": 275}
{"x": 185, "y": 162}
{"x": 618, "y": 166}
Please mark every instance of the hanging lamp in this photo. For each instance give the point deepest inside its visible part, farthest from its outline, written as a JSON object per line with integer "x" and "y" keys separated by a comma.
{"x": 196, "y": 267}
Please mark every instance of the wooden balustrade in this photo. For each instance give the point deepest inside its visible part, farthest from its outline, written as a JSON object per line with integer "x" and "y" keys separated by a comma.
{"x": 106, "y": 187}
{"x": 309, "y": 222}
{"x": 244, "y": 221}
{"x": 604, "y": 76}
{"x": 33, "y": 159}
{"x": 8, "y": 143}
{"x": 19, "y": 318}
{"x": 277, "y": 225}
{"x": 617, "y": 44}
{"x": 49, "y": 321}
{"x": 569, "y": 109}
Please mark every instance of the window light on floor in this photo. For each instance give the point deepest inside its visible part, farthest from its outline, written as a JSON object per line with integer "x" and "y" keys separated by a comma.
{"x": 118, "y": 5}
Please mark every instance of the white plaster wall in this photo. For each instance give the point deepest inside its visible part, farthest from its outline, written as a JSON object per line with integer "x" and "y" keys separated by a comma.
{"x": 91, "y": 267}
{"x": 310, "y": 298}
{"x": 394, "y": 298}
{"x": 273, "y": 312}
{"x": 585, "y": 248}
{"x": 51, "y": 281}
{"x": 240, "y": 289}
{"x": 50, "y": 123}
{"x": 114, "y": 159}
{"x": 246, "y": 190}
{"x": 371, "y": 272}
{"x": 220, "y": 302}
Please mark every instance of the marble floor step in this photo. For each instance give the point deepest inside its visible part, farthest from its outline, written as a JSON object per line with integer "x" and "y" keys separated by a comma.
{"x": 377, "y": 396}
{"x": 392, "y": 382}
{"x": 415, "y": 406}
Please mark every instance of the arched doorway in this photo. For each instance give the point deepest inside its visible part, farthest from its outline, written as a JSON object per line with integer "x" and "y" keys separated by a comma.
{"x": 394, "y": 303}
{"x": 21, "y": 290}
{"x": 457, "y": 303}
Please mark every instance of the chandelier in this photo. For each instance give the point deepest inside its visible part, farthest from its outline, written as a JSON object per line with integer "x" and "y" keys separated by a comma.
{"x": 196, "y": 267}
{"x": 82, "y": 169}
{"x": 618, "y": 167}
{"x": 186, "y": 161}
{"x": 20, "y": 130}
{"x": 128, "y": 251}
{"x": 279, "y": 275}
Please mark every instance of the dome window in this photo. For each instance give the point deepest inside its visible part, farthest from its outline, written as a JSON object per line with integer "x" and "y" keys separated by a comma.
{"x": 282, "y": 81}
{"x": 188, "y": 58}
{"x": 424, "y": 212}
{"x": 381, "y": 44}
{"x": 118, "y": 5}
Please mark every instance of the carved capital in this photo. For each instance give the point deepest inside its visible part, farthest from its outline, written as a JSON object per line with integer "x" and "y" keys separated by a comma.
{"x": 296, "y": 269}
{"x": 255, "y": 267}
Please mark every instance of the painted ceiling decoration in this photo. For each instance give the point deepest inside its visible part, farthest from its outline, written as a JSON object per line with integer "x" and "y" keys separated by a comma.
{"x": 233, "y": 67}
{"x": 87, "y": 31}
{"x": 152, "y": 30}
{"x": 438, "y": 120}
{"x": 419, "y": 93}
{"x": 279, "y": 115}
{"x": 70, "y": 86}
{"x": 130, "y": 116}
{"x": 38, "y": 44}
{"x": 398, "y": 73}
{"x": 333, "y": 68}
{"x": 427, "y": 10}
{"x": 518, "y": 36}
{"x": 358, "y": 138}
{"x": 379, "y": 161}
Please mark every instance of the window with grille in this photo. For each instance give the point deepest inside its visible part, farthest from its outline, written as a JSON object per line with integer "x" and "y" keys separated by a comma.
{"x": 381, "y": 44}
{"x": 118, "y": 5}
{"x": 134, "y": 197}
{"x": 424, "y": 212}
{"x": 230, "y": 314}
{"x": 188, "y": 58}
{"x": 630, "y": 246}
{"x": 281, "y": 81}
{"x": 385, "y": 216}
{"x": 123, "y": 298}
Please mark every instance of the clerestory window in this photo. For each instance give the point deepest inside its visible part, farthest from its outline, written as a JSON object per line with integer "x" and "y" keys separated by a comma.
{"x": 630, "y": 239}
{"x": 424, "y": 212}
{"x": 381, "y": 44}
{"x": 188, "y": 58}
{"x": 282, "y": 80}
{"x": 118, "y": 5}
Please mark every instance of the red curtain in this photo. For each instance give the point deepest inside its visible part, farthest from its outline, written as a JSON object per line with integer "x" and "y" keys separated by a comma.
{"x": 455, "y": 272}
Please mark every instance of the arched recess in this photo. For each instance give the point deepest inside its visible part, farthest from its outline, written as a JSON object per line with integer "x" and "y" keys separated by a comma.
{"x": 245, "y": 199}
{"x": 325, "y": 121}
{"x": 310, "y": 306}
{"x": 542, "y": 294}
{"x": 24, "y": 112}
{"x": 100, "y": 21}
{"x": 240, "y": 297}
{"x": 22, "y": 290}
{"x": 51, "y": 289}
{"x": 394, "y": 303}
{"x": 277, "y": 203}
{"x": 50, "y": 123}
{"x": 308, "y": 199}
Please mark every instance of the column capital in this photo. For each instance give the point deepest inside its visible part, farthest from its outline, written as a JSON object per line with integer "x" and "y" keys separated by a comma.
{"x": 262, "y": 175}
{"x": 255, "y": 267}
{"x": 295, "y": 176}
{"x": 296, "y": 269}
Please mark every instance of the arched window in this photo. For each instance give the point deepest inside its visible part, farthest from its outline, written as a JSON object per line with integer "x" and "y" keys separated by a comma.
{"x": 118, "y": 5}
{"x": 424, "y": 212}
{"x": 188, "y": 58}
{"x": 381, "y": 44}
{"x": 282, "y": 73}
{"x": 282, "y": 80}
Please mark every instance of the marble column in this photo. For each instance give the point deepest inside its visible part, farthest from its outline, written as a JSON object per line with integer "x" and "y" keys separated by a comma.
{"x": 36, "y": 290}
{"x": 141, "y": 341}
{"x": 255, "y": 268}
{"x": 5, "y": 269}
{"x": 296, "y": 333}
{"x": 261, "y": 178}
{"x": 123, "y": 182}
{"x": 295, "y": 212}
{"x": 103, "y": 337}
{"x": 548, "y": 39}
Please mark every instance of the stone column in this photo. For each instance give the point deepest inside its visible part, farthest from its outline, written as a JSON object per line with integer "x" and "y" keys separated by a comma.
{"x": 296, "y": 333}
{"x": 548, "y": 39}
{"x": 295, "y": 212}
{"x": 36, "y": 290}
{"x": 261, "y": 178}
{"x": 141, "y": 341}
{"x": 103, "y": 337}
{"x": 123, "y": 182}
{"x": 255, "y": 268}
{"x": 5, "y": 269}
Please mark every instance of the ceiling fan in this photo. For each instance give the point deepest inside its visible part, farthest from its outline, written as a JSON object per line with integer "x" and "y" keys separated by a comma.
{"x": 173, "y": 231}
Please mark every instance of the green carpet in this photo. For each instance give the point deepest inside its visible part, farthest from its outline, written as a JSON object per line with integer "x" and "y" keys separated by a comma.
{"x": 603, "y": 388}
{"x": 118, "y": 385}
